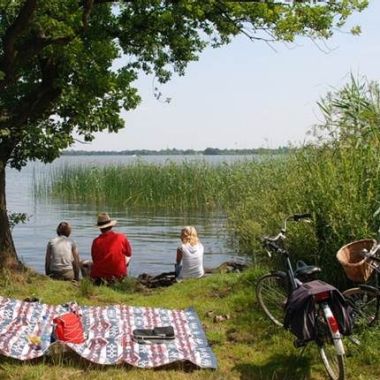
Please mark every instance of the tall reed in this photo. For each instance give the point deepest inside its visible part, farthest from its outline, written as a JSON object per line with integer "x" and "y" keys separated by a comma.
{"x": 188, "y": 185}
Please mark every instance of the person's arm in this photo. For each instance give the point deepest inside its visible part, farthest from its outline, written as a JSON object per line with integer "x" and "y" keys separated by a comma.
{"x": 127, "y": 250}
{"x": 47, "y": 259}
{"x": 76, "y": 262}
{"x": 179, "y": 256}
{"x": 178, "y": 266}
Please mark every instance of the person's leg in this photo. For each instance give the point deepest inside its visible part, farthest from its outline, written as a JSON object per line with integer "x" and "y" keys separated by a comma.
{"x": 67, "y": 275}
{"x": 85, "y": 268}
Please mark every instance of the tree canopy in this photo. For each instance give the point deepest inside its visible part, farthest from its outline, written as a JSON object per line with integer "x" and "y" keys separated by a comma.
{"x": 56, "y": 57}
{"x": 57, "y": 72}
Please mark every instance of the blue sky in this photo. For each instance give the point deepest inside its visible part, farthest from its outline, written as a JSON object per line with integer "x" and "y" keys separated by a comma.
{"x": 247, "y": 95}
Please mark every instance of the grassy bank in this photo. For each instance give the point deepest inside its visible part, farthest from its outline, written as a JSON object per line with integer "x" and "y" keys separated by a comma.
{"x": 247, "y": 346}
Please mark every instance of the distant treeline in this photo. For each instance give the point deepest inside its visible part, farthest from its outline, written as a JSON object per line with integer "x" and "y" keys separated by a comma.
{"x": 179, "y": 152}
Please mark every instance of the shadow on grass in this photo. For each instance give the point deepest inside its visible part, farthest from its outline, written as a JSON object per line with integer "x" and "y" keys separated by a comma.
{"x": 70, "y": 359}
{"x": 278, "y": 367}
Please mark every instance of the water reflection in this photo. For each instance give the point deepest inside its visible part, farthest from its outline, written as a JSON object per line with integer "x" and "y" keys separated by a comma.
{"x": 154, "y": 235}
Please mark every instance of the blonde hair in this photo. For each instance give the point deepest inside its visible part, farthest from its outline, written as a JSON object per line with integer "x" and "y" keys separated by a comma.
{"x": 189, "y": 235}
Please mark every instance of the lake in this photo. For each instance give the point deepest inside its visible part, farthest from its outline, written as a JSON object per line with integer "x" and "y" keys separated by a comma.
{"x": 154, "y": 235}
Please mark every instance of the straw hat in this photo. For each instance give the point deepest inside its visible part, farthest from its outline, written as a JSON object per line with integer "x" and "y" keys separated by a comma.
{"x": 105, "y": 221}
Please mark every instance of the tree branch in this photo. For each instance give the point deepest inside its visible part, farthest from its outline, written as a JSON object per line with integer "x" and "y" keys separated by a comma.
{"x": 21, "y": 22}
{"x": 37, "y": 102}
{"x": 87, "y": 8}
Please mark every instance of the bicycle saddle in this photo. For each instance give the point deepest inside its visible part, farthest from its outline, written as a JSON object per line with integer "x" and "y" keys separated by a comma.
{"x": 303, "y": 269}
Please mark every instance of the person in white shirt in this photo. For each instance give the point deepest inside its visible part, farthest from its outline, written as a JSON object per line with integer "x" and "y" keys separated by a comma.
{"x": 189, "y": 259}
{"x": 62, "y": 259}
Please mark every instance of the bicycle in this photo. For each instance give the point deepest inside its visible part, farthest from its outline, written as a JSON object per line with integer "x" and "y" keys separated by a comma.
{"x": 273, "y": 288}
{"x": 360, "y": 261}
{"x": 274, "y": 293}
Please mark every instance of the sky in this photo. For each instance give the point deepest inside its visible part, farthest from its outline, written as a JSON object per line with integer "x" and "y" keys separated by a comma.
{"x": 248, "y": 94}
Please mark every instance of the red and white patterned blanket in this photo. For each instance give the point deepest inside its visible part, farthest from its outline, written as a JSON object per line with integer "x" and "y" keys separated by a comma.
{"x": 26, "y": 330}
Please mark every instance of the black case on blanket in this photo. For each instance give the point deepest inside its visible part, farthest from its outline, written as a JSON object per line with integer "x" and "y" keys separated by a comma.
{"x": 157, "y": 334}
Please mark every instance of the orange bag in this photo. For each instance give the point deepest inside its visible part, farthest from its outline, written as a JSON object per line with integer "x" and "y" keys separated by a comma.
{"x": 69, "y": 328}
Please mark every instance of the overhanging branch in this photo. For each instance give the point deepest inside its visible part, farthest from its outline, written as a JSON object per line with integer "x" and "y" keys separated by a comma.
{"x": 21, "y": 22}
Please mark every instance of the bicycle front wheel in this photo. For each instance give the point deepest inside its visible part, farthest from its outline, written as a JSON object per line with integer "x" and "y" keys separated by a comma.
{"x": 272, "y": 294}
{"x": 364, "y": 304}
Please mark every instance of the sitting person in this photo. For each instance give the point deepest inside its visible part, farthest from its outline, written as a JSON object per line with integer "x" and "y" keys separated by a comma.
{"x": 189, "y": 261}
{"x": 110, "y": 252}
{"x": 62, "y": 258}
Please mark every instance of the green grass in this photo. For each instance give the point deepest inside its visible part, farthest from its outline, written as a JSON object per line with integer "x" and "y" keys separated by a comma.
{"x": 247, "y": 346}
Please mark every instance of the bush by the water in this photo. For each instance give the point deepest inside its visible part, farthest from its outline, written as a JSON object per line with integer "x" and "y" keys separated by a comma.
{"x": 336, "y": 178}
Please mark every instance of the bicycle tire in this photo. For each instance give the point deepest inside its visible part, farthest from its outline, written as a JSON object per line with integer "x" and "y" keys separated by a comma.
{"x": 364, "y": 305}
{"x": 331, "y": 351}
{"x": 272, "y": 293}
{"x": 334, "y": 363}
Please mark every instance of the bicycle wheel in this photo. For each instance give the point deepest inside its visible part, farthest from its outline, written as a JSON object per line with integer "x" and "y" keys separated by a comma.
{"x": 331, "y": 348}
{"x": 333, "y": 362}
{"x": 272, "y": 293}
{"x": 364, "y": 304}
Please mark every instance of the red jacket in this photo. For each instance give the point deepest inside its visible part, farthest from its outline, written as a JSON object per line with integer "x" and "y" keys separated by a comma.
{"x": 108, "y": 253}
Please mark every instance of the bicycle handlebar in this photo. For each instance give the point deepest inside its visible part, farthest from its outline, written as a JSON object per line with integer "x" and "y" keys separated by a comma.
{"x": 298, "y": 217}
{"x": 272, "y": 245}
{"x": 372, "y": 255}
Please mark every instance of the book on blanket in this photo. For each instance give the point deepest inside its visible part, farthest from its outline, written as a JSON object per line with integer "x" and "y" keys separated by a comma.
{"x": 155, "y": 335}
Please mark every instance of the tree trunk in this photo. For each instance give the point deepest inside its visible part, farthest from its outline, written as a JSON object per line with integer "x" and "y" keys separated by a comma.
{"x": 8, "y": 255}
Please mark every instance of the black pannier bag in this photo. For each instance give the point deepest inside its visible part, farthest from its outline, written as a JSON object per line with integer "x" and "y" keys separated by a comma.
{"x": 300, "y": 315}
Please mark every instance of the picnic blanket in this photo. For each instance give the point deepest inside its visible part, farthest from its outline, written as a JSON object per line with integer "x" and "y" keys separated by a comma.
{"x": 108, "y": 331}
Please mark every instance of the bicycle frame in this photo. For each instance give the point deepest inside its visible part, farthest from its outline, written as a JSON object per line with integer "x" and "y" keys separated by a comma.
{"x": 277, "y": 240}
{"x": 374, "y": 289}
{"x": 324, "y": 330}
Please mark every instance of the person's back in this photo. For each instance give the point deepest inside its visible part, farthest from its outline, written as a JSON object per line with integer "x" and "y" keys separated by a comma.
{"x": 110, "y": 252}
{"x": 190, "y": 254}
{"x": 192, "y": 261}
{"x": 108, "y": 255}
{"x": 62, "y": 259}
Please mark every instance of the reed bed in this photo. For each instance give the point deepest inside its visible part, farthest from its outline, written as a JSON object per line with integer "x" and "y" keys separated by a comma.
{"x": 173, "y": 186}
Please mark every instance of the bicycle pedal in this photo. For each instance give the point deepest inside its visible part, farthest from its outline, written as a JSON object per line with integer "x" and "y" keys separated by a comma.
{"x": 354, "y": 340}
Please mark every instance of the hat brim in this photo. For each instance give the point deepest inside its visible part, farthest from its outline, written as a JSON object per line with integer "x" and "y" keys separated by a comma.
{"x": 111, "y": 223}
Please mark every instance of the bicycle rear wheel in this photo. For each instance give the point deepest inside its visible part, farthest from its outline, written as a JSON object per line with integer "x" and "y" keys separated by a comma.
{"x": 333, "y": 362}
{"x": 364, "y": 303}
{"x": 272, "y": 293}
{"x": 330, "y": 344}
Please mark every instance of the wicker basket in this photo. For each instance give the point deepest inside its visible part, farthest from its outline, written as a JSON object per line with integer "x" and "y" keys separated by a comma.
{"x": 350, "y": 256}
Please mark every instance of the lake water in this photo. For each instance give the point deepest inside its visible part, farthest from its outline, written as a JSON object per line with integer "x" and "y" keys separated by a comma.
{"x": 154, "y": 235}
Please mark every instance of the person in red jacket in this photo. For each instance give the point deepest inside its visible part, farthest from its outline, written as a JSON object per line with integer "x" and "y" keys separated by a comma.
{"x": 110, "y": 252}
